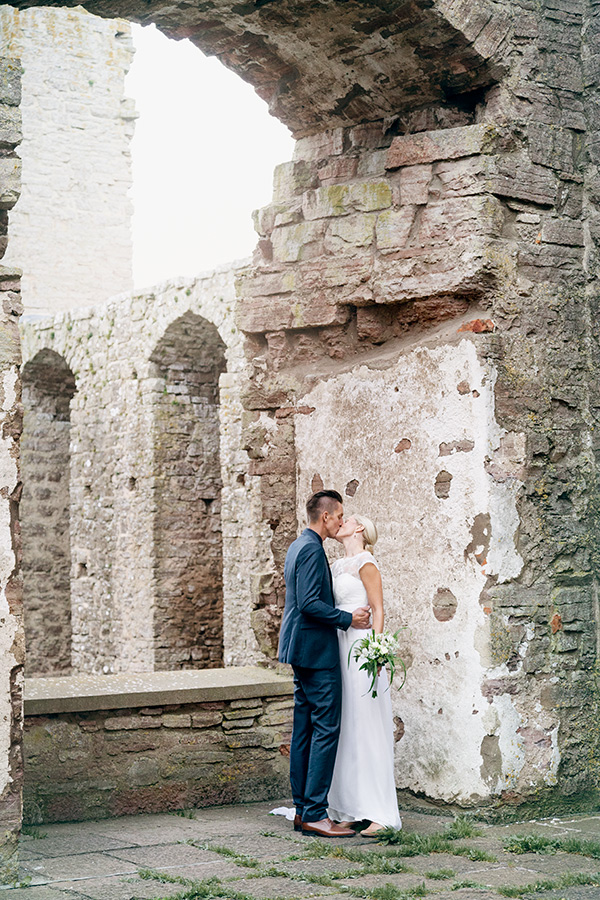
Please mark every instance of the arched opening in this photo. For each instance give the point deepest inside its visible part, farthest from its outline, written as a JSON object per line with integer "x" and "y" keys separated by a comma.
{"x": 48, "y": 388}
{"x": 188, "y": 545}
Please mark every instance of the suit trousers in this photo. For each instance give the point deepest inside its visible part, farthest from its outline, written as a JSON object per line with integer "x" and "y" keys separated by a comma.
{"x": 316, "y": 729}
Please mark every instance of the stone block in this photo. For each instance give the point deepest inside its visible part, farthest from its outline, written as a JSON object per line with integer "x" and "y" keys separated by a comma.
{"x": 294, "y": 242}
{"x": 320, "y": 145}
{"x": 556, "y": 148}
{"x": 205, "y": 718}
{"x": 242, "y": 713}
{"x": 347, "y": 232}
{"x": 393, "y": 227}
{"x": 127, "y": 723}
{"x": 10, "y": 181}
{"x": 414, "y": 185}
{"x": 341, "y": 199}
{"x": 276, "y": 717}
{"x": 10, "y": 126}
{"x": 338, "y": 168}
{"x": 237, "y": 723}
{"x": 563, "y": 231}
{"x": 516, "y": 177}
{"x": 451, "y": 143}
{"x": 460, "y": 177}
{"x": 10, "y": 81}
{"x": 176, "y": 720}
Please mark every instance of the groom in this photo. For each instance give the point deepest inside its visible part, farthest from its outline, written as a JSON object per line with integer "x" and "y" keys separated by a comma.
{"x": 308, "y": 641}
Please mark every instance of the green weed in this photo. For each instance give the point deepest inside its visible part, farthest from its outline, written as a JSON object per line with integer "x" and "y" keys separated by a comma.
{"x": 390, "y": 892}
{"x": 240, "y": 859}
{"x": 535, "y": 843}
{"x": 461, "y": 828}
{"x": 34, "y": 832}
{"x": 550, "y": 884}
{"x": 207, "y": 889}
{"x": 440, "y": 874}
{"x": 467, "y": 883}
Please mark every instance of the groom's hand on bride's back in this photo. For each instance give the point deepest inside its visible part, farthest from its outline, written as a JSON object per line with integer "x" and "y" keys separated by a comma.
{"x": 361, "y": 617}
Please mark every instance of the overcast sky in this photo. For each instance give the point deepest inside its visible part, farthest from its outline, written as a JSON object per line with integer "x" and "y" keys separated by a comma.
{"x": 204, "y": 152}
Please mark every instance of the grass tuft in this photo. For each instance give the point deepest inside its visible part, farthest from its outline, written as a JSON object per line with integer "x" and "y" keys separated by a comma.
{"x": 440, "y": 874}
{"x": 240, "y": 859}
{"x": 535, "y": 843}
{"x": 207, "y": 889}
{"x": 467, "y": 883}
{"x": 550, "y": 884}
{"x": 34, "y": 832}
{"x": 461, "y": 828}
{"x": 390, "y": 892}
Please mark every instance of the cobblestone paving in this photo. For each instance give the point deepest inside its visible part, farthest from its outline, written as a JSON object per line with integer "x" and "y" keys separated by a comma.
{"x": 243, "y": 853}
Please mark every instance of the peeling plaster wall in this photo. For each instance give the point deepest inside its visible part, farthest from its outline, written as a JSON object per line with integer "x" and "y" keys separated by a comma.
{"x": 113, "y": 471}
{"x": 383, "y": 436}
{"x": 12, "y": 644}
{"x": 74, "y": 213}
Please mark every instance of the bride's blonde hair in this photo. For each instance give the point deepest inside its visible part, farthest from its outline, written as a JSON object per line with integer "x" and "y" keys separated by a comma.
{"x": 369, "y": 532}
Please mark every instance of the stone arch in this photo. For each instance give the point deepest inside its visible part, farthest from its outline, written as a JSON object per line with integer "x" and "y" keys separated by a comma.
{"x": 48, "y": 388}
{"x": 188, "y": 544}
{"x": 324, "y": 65}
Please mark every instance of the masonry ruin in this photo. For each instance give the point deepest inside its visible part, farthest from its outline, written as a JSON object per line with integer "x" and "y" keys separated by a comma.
{"x": 419, "y": 332}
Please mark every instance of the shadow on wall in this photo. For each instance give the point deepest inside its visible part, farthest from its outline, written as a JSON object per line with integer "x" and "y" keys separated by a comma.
{"x": 188, "y": 541}
{"x": 48, "y": 388}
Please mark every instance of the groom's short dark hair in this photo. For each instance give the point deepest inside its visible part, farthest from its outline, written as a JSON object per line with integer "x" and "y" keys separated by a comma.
{"x": 321, "y": 500}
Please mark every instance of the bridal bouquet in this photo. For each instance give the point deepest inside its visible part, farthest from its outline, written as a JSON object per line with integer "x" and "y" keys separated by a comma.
{"x": 375, "y": 651}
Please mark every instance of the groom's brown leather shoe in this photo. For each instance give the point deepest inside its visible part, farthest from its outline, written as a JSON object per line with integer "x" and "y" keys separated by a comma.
{"x": 326, "y": 828}
{"x": 297, "y": 822}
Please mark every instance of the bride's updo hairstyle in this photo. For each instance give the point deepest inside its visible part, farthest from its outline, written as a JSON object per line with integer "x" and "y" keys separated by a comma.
{"x": 369, "y": 532}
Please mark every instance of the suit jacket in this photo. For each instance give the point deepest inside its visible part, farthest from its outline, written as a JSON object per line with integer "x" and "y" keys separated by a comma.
{"x": 308, "y": 629}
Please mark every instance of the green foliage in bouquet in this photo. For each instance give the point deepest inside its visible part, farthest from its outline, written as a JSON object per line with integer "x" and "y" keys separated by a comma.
{"x": 375, "y": 651}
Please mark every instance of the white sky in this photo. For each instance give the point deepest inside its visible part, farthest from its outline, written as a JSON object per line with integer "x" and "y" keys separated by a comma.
{"x": 204, "y": 152}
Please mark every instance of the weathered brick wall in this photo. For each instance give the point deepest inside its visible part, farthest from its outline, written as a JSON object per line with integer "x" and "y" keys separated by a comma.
{"x": 393, "y": 252}
{"x": 437, "y": 241}
{"x": 97, "y": 763}
{"x": 48, "y": 388}
{"x": 12, "y": 648}
{"x": 188, "y": 544}
{"x": 77, "y": 129}
{"x": 166, "y": 542}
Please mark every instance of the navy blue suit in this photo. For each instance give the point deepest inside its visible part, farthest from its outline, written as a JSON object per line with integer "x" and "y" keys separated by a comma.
{"x": 308, "y": 641}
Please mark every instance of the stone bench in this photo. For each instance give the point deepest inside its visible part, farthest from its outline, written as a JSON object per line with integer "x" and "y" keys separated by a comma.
{"x": 110, "y": 745}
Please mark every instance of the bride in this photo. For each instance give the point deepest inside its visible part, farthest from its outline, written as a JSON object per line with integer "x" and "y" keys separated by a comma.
{"x": 363, "y": 779}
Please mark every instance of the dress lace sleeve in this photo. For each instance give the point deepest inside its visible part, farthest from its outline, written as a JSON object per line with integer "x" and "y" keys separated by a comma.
{"x": 364, "y": 558}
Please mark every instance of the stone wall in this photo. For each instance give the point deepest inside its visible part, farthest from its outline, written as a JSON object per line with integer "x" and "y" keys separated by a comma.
{"x": 188, "y": 542}
{"x": 187, "y": 742}
{"x": 12, "y": 649}
{"x": 166, "y": 546}
{"x": 420, "y": 322}
{"x": 48, "y": 388}
{"x": 74, "y": 212}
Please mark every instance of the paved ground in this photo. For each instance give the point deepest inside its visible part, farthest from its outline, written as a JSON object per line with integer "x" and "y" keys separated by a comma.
{"x": 241, "y": 852}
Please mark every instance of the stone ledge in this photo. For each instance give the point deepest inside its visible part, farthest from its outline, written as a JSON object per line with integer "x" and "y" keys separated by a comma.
{"x": 82, "y": 693}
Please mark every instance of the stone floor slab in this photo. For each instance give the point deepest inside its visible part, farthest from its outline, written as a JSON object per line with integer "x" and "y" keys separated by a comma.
{"x": 164, "y": 855}
{"x": 69, "y": 844}
{"x": 80, "y": 866}
{"x": 117, "y": 889}
{"x": 280, "y": 887}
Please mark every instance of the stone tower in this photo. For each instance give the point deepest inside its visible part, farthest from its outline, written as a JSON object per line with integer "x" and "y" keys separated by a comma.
{"x": 71, "y": 230}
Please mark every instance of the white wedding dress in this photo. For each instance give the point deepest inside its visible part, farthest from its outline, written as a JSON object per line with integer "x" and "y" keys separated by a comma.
{"x": 363, "y": 779}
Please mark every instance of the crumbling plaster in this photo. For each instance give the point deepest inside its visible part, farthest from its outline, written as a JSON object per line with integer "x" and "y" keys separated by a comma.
{"x": 108, "y": 349}
{"x": 382, "y": 435}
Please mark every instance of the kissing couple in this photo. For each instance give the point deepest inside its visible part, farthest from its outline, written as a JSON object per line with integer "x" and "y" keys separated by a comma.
{"x": 342, "y": 750}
